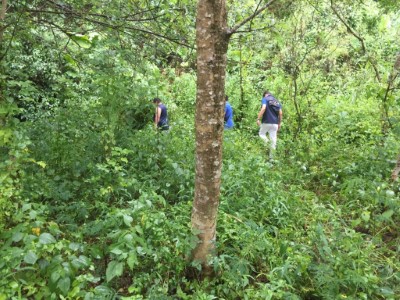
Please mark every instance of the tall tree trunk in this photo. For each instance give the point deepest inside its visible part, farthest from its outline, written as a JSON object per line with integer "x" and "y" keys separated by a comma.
{"x": 212, "y": 45}
{"x": 241, "y": 103}
{"x": 386, "y": 123}
{"x": 296, "y": 105}
{"x": 212, "y": 38}
{"x": 2, "y": 28}
{"x": 2, "y": 17}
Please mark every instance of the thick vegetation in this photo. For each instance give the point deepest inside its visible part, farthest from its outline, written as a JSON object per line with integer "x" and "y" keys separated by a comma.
{"x": 95, "y": 204}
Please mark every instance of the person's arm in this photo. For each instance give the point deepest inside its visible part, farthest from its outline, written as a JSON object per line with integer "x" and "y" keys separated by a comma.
{"x": 261, "y": 113}
{"x": 157, "y": 116}
{"x": 280, "y": 119}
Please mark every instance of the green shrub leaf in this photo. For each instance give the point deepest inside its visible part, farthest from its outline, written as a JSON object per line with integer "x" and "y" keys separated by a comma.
{"x": 30, "y": 257}
{"x": 46, "y": 238}
{"x": 64, "y": 284}
{"x": 114, "y": 269}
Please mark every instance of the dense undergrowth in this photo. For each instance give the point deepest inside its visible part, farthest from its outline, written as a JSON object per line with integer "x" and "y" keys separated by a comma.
{"x": 104, "y": 221}
{"x": 95, "y": 204}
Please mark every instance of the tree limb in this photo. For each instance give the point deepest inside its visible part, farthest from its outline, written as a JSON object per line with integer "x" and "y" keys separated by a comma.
{"x": 90, "y": 18}
{"x": 11, "y": 38}
{"x": 254, "y": 29}
{"x": 389, "y": 88}
{"x": 358, "y": 37}
{"x": 235, "y": 28}
{"x": 120, "y": 27}
{"x": 351, "y": 30}
{"x": 70, "y": 12}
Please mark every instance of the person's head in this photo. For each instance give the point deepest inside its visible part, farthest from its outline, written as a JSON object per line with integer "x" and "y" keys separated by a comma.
{"x": 266, "y": 92}
{"x": 156, "y": 100}
{"x": 226, "y": 98}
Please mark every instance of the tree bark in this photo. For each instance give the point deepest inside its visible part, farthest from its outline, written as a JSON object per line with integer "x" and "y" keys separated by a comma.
{"x": 2, "y": 17}
{"x": 212, "y": 45}
{"x": 396, "y": 170}
{"x": 212, "y": 38}
{"x": 2, "y": 28}
{"x": 241, "y": 103}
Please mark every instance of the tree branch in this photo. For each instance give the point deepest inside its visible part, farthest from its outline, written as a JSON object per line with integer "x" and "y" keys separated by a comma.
{"x": 119, "y": 27}
{"x": 255, "y": 29}
{"x": 235, "y": 28}
{"x": 90, "y": 18}
{"x": 355, "y": 34}
{"x": 11, "y": 38}
{"x": 70, "y": 12}
{"x": 358, "y": 37}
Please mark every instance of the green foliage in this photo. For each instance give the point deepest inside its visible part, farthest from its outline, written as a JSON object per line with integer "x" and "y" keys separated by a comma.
{"x": 13, "y": 155}
{"x": 36, "y": 251}
{"x": 95, "y": 203}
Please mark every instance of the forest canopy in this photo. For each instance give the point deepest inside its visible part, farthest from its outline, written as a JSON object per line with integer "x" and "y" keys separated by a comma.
{"x": 96, "y": 203}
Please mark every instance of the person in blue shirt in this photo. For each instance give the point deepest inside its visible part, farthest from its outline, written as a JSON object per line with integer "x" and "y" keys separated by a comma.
{"x": 228, "y": 114}
{"x": 161, "y": 115}
{"x": 270, "y": 115}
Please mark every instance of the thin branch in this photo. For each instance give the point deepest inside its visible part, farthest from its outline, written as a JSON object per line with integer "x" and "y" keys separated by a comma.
{"x": 256, "y": 9}
{"x": 389, "y": 88}
{"x": 138, "y": 29}
{"x": 235, "y": 28}
{"x": 255, "y": 29}
{"x": 115, "y": 27}
{"x": 12, "y": 37}
{"x": 359, "y": 38}
{"x": 119, "y": 27}
{"x": 70, "y": 12}
{"x": 351, "y": 30}
{"x": 128, "y": 17}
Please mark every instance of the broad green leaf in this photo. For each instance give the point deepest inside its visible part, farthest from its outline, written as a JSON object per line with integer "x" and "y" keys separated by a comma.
{"x": 132, "y": 259}
{"x": 26, "y": 206}
{"x": 55, "y": 276}
{"x": 74, "y": 246}
{"x": 104, "y": 291}
{"x": 81, "y": 262}
{"x": 64, "y": 284}
{"x": 46, "y": 238}
{"x": 387, "y": 214}
{"x": 70, "y": 60}
{"x": 81, "y": 40}
{"x": 128, "y": 220}
{"x": 32, "y": 214}
{"x": 30, "y": 257}
{"x": 116, "y": 251}
{"x": 17, "y": 237}
{"x": 114, "y": 269}
{"x": 365, "y": 215}
{"x": 387, "y": 291}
